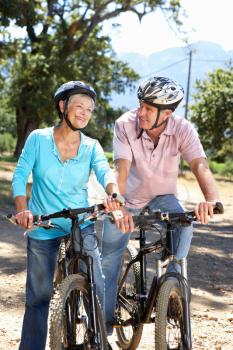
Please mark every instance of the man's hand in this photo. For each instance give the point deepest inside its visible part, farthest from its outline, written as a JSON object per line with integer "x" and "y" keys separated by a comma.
{"x": 25, "y": 219}
{"x": 123, "y": 220}
{"x": 204, "y": 211}
{"x": 111, "y": 204}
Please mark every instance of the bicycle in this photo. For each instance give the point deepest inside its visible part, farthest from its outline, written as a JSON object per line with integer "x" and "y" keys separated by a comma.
{"x": 167, "y": 302}
{"x": 76, "y": 319}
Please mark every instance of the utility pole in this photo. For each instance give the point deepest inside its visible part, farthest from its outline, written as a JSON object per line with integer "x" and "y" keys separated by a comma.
{"x": 181, "y": 168}
{"x": 188, "y": 83}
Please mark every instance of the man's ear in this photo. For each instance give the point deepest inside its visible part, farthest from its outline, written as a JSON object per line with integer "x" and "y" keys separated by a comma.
{"x": 61, "y": 105}
{"x": 167, "y": 113}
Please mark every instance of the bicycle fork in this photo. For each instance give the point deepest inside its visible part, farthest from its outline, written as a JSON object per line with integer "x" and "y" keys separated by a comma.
{"x": 92, "y": 295}
{"x": 186, "y": 293}
{"x": 183, "y": 282}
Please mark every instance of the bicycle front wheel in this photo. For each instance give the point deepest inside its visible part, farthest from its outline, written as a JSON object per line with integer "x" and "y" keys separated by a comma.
{"x": 70, "y": 312}
{"x": 128, "y": 305}
{"x": 169, "y": 321}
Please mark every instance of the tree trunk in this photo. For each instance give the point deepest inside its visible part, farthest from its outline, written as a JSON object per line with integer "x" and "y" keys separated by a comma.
{"x": 24, "y": 127}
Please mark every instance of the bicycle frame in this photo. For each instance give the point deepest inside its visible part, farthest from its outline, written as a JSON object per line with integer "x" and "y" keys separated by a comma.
{"x": 147, "y": 302}
{"x": 70, "y": 264}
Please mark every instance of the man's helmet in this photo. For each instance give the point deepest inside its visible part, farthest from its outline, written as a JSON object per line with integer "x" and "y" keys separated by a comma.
{"x": 72, "y": 88}
{"x": 161, "y": 92}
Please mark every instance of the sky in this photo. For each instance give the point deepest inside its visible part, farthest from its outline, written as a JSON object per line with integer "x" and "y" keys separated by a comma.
{"x": 207, "y": 20}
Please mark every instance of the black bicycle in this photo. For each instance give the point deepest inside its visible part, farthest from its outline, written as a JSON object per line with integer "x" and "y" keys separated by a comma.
{"x": 167, "y": 302}
{"x": 76, "y": 319}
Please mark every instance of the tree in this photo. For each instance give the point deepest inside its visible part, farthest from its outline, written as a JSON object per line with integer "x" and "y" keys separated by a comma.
{"x": 63, "y": 41}
{"x": 213, "y": 113}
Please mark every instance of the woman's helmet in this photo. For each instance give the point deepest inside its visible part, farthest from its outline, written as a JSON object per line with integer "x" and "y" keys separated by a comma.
{"x": 72, "y": 88}
{"x": 68, "y": 89}
{"x": 161, "y": 92}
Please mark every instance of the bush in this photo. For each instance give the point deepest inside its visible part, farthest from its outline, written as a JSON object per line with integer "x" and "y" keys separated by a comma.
{"x": 109, "y": 157}
{"x": 7, "y": 143}
{"x": 225, "y": 169}
{"x": 10, "y": 158}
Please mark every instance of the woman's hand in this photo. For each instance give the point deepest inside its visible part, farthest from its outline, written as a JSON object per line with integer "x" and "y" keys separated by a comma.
{"x": 25, "y": 218}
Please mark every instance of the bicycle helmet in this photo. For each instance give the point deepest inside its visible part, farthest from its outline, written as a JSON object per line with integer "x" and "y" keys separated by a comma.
{"x": 160, "y": 92}
{"x": 68, "y": 89}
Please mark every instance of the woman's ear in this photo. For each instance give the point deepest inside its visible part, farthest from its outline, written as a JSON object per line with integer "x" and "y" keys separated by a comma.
{"x": 61, "y": 105}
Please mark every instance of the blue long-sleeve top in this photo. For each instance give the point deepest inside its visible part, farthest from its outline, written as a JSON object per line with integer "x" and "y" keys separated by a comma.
{"x": 57, "y": 185}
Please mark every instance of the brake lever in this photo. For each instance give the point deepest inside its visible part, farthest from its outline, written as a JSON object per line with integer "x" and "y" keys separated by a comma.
{"x": 47, "y": 226}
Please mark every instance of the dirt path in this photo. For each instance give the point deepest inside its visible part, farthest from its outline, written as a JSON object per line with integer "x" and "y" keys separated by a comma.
{"x": 210, "y": 271}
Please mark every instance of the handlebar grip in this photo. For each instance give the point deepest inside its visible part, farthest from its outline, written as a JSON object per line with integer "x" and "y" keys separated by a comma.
{"x": 13, "y": 218}
{"x": 119, "y": 198}
{"x": 218, "y": 209}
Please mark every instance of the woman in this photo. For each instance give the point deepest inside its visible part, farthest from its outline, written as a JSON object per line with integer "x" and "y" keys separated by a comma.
{"x": 60, "y": 159}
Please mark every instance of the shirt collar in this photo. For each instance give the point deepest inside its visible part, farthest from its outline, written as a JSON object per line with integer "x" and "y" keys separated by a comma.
{"x": 84, "y": 141}
{"x": 169, "y": 130}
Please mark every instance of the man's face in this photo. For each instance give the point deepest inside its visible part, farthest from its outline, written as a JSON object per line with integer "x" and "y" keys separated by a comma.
{"x": 147, "y": 115}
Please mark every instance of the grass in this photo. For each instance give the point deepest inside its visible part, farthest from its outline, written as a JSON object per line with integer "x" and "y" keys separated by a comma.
{"x": 7, "y": 165}
{"x": 7, "y": 158}
{"x": 6, "y": 199}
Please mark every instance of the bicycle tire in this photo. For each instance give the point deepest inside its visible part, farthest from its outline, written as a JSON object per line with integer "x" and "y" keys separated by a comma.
{"x": 169, "y": 317}
{"x": 58, "y": 274}
{"x": 74, "y": 290}
{"x": 129, "y": 336}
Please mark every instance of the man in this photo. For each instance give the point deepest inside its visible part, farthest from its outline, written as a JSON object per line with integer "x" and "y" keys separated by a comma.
{"x": 148, "y": 143}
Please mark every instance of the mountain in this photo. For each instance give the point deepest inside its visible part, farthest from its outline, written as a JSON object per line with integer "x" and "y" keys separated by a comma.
{"x": 173, "y": 63}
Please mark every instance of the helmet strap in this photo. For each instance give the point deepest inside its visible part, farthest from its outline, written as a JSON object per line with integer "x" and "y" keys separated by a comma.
{"x": 140, "y": 134}
{"x": 65, "y": 117}
{"x": 156, "y": 125}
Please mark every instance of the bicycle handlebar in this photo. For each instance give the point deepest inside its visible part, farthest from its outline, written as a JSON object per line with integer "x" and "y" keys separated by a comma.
{"x": 145, "y": 219}
{"x": 70, "y": 213}
{"x": 65, "y": 213}
{"x": 185, "y": 218}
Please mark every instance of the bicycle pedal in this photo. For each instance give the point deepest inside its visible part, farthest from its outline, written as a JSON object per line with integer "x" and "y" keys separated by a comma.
{"x": 117, "y": 326}
{"x": 120, "y": 323}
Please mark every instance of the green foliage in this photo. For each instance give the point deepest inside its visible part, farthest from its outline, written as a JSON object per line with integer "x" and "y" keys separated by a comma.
{"x": 7, "y": 143}
{"x": 8, "y": 158}
{"x": 225, "y": 169}
{"x": 6, "y": 199}
{"x": 7, "y": 116}
{"x": 100, "y": 126}
{"x": 109, "y": 157}
{"x": 64, "y": 41}
{"x": 212, "y": 113}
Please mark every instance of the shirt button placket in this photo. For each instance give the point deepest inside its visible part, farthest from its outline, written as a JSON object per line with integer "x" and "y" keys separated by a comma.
{"x": 61, "y": 177}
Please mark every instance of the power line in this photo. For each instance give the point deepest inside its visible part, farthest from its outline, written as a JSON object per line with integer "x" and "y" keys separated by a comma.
{"x": 177, "y": 62}
{"x": 164, "y": 68}
{"x": 209, "y": 60}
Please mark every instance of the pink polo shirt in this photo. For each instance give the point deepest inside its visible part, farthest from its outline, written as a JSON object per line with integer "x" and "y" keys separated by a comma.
{"x": 154, "y": 172}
